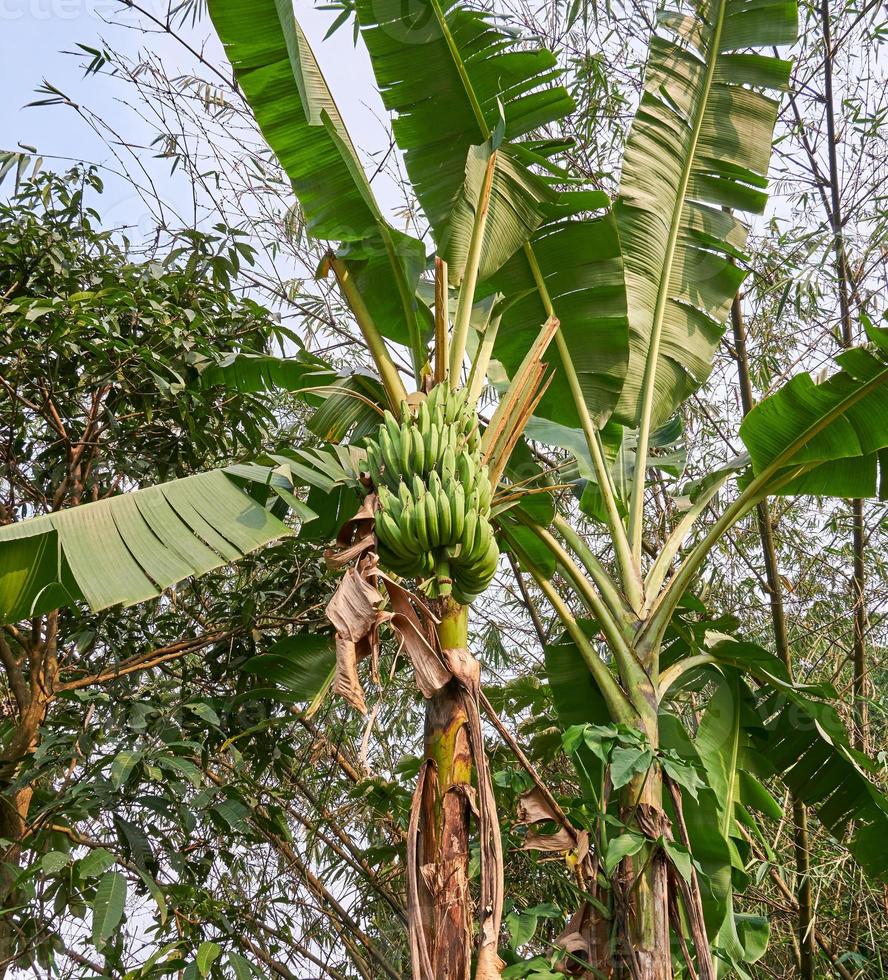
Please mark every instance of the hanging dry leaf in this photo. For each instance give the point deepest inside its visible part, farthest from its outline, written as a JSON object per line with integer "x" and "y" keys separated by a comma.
{"x": 417, "y": 639}
{"x": 354, "y": 614}
{"x": 352, "y": 610}
{"x": 533, "y": 807}
{"x": 464, "y": 667}
{"x": 346, "y": 682}
{"x": 561, "y": 840}
{"x": 586, "y": 938}
{"x": 356, "y": 536}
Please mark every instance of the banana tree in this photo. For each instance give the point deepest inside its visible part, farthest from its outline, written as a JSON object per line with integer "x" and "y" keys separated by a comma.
{"x": 597, "y": 321}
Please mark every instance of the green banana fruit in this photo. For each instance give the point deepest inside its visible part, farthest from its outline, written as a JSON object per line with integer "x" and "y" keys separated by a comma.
{"x": 434, "y": 496}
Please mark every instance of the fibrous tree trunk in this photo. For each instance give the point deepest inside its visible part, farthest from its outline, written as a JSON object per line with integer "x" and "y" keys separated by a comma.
{"x": 454, "y": 785}
{"x": 32, "y": 674}
{"x": 446, "y": 816}
{"x": 644, "y": 952}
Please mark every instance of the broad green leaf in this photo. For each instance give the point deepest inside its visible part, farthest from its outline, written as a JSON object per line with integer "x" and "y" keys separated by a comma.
{"x": 233, "y": 813}
{"x": 448, "y": 75}
{"x": 129, "y": 548}
{"x": 530, "y": 551}
{"x": 283, "y": 84}
{"x": 621, "y": 847}
{"x": 755, "y": 795}
{"x": 298, "y": 116}
{"x": 124, "y": 762}
{"x": 204, "y": 711}
{"x": 265, "y": 372}
{"x": 134, "y": 841}
{"x": 54, "y": 861}
{"x": 340, "y": 402}
{"x": 302, "y": 664}
{"x": 95, "y": 863}
{"x": 720, "y": 742}
{"x": 837, "y": 430}
{"x": 578, "y": 701}
{"x": 582, "y": 265}
{"x": 514, "y": 212}
{"x": 627, "y": 761}
{"x": 708, "y": 847}
{"x": 680, "y": 857}
{"x": 240, "y": 966}
{"x": 804, "y": 743}
{"x": 521, "y": 928}
{"x": 207, "y": 953}
{"x": 351, "y": 407}
{"x": 108, "y": 907}
{"x": 700, "y": 143}
{"x": 182, "y": 767}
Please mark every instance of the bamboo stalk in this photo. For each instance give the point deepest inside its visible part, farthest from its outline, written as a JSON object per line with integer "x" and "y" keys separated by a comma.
{"x": 843, "y": 278}
{"x": 801, "y": 838}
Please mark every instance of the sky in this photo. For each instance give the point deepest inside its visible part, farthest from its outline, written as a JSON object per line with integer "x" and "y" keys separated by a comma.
{"x": 35, "y": 34}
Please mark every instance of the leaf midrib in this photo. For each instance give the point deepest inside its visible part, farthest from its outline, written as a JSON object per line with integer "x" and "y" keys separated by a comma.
{"x": 653, "y": 354}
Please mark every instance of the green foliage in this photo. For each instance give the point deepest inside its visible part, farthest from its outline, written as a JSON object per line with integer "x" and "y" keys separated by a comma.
{"x": 700, "y": 143}
{"x": 835, "y": 431}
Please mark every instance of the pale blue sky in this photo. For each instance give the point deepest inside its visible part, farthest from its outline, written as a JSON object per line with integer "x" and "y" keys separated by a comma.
{"x": 35, "y": 33}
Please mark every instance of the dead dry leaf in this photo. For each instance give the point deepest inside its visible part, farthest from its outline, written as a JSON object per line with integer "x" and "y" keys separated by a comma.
{"x": 346, "y": 682}
{"x": 417, "y": 638}
{"x": 561, "y": 840}
{"x": 533, "y": 807}
{"x": 352, "y": 610}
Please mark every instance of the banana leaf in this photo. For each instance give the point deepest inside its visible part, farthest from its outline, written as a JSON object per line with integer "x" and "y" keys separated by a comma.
{"x": 700, "y": 144}
{"x": 131, "y": 547}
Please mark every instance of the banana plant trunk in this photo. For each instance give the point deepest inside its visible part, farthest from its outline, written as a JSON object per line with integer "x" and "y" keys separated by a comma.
{"x": 444, "y": 906}
{"x": 645, "y": 882}
{"x": 642, "y": 891}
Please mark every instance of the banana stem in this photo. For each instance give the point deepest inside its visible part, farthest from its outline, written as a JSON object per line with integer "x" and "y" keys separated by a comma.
{"x": 629, "y": 571}
{"x": 391, "y": 379}
{"x": 442, "y": 316}
{"x": 619, "y": 705}
{"x": 629, "y": 667}
{"x": 470, "y": 276}
{"x": 482, "y": 360}
{"x": 606, "y": 585}
{"x": 417, "y": 348}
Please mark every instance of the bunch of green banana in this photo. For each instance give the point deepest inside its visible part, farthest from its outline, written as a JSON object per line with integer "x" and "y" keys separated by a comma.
{"x": 434, "y": 496}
